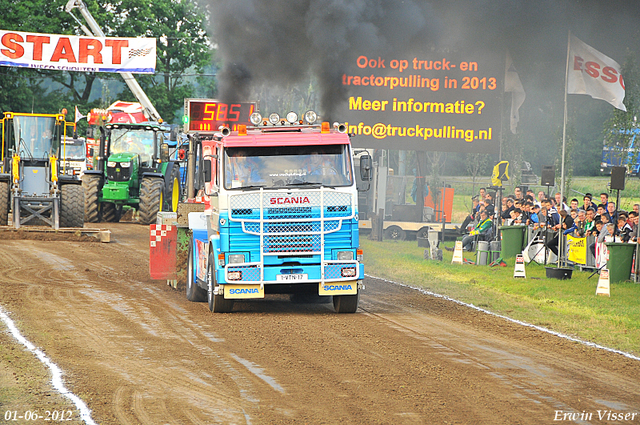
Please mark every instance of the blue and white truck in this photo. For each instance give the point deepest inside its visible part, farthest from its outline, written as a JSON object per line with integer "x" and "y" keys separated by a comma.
{"x": 281, "y": 213}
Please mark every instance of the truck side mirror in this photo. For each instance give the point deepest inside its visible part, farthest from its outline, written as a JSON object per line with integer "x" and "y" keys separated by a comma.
{"x": 164, "y": 152}
{"x": 365, "y": 168}
{"x": 91, "y": 152}
{"x": 207, "y": 170}
{"x": 90, "y": 132}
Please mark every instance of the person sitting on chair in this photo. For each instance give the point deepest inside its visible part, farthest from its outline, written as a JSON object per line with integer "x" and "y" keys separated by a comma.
{"x": 472, "y": 216}
{"x": 482, "y": 231}
{"x": 565, "y": 226}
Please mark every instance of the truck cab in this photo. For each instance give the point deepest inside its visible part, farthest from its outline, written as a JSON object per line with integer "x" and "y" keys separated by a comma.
{"x": 73, "y": 156}
{"x": 281, "y": 216}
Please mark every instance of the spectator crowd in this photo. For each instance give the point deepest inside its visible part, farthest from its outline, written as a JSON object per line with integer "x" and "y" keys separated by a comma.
{"x": 599, "y": 218}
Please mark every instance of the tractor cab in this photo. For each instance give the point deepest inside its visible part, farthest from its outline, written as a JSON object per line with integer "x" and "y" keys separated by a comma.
{"x": 31, "y": 175}
{"x": 133, "y": 170}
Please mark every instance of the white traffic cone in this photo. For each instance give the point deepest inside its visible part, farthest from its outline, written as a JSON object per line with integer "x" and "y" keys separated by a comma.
{"x": 518, "y": 270}
{"x": 457, "y": 254}
{"x": 603, "y": 283}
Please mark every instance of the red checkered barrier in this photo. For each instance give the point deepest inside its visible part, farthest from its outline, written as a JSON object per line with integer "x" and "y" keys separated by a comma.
{"x": 163, "y": 241}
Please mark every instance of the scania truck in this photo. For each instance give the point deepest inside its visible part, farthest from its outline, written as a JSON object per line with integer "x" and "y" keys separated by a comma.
{"x": 281, "y": 214}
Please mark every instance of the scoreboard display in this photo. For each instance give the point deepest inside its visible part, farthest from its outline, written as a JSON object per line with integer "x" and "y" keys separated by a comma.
{"x": 207, "y": 115}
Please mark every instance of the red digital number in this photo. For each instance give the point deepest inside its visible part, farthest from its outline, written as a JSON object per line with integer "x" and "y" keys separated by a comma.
{"x": 234, "y": 112}
{"x": 210, "y": 108}
{"x": 222, "y": 112}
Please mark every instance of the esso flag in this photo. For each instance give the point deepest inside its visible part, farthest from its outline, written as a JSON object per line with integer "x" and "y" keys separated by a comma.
{"x": 75, "y": 53}
{"x": 594, "y": 73}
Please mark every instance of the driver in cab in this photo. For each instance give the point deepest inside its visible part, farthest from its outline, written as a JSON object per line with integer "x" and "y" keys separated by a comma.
{"x": 320, "y": 166}
{"x": 242, "y": 171}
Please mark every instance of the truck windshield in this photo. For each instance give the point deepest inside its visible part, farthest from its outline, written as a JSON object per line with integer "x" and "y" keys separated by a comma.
{"x": 284, "y": 166}
{"x": 35, "y": 136}
{"x": 73, "y": 150}
{"x": 133, "y": 141}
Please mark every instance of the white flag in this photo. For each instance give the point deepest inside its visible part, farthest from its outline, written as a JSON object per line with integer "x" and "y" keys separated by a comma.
{"x": 513, "y": 84}
{"x": 79, "y": 116}
{"x": 595, "y": 74}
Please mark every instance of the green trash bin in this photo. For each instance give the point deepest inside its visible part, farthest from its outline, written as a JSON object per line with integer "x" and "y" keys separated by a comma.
{"x": 620, "y": 260}
{"x": 512, "y": 240}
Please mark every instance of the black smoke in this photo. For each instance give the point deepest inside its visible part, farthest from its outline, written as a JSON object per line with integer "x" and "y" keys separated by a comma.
{"x": 279, "y": 42}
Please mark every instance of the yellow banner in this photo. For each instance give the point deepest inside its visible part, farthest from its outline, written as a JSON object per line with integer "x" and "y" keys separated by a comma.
{"x": 577, "y": 249}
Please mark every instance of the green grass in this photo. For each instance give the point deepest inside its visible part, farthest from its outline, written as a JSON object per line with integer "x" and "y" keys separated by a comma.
{"x": 567, "y": 306}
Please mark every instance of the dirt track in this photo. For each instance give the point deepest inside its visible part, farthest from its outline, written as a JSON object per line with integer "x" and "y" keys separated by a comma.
{"x": 137, "y": 352}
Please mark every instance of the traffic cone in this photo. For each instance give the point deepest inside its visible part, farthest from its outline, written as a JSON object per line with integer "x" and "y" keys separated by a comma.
{"x": 457, "y": 254}
{"x": 603, "y": 283}
{"x": 518, "y": 270}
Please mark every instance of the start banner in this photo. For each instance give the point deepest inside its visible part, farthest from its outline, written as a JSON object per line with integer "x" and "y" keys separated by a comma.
{"x": 75, "y": 53}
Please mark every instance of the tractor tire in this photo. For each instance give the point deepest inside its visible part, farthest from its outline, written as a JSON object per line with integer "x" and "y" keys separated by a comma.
{"x": 71, "y": 206}
{"x": 194, "y": 292}
{"x": 346, "y": 303}
{"x": 217, "y": 303}
{"x": 150, "y": 199}
{"x": 172, "y": 190}
{"x": 91, "y": 186}
{"x": 111, "y": 212}
{"x": 4, "y": 203}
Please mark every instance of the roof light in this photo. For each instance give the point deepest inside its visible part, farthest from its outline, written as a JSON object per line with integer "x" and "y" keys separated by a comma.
{"x": 292, "y": 117}
{"x": 256, "y": 118}
{"x": 310, "y": 117}
{"x": 242, "y": 130}
{"x": 326, "y": 127}
{"x": 274, "y": 118}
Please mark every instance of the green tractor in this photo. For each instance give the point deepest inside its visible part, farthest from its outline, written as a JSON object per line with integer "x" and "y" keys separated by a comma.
{"x": 36, "y": 184}
{"x": 132, "y": 169}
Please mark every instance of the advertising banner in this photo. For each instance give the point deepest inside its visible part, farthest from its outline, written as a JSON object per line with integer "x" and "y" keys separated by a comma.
{"x": 577, "y": 249}
{"x": 74, "y": 53}
{"x": 437, "y": 101}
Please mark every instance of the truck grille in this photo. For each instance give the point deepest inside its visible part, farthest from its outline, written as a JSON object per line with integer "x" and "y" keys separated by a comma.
{"x": 292, "y": 229}
{"x": 122, "y": 175}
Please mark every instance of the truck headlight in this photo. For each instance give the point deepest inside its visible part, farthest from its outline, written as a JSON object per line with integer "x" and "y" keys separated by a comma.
{"x": 310, "y": 117}
{"x": 125, "y": 164}
{"x": 292, "y": 117}
{"x": 348, "y": 272}
{"x": 236, "y": 258}
{"x": 256, "y": 118}
{"x": 274, "y": 118}
{"x": 345, "y": 255}
{"x": 235, "y": 275}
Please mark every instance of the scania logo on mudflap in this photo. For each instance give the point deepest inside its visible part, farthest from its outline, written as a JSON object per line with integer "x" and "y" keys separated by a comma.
{"x": 290, "y": 200}
{"x": 244, "y": 291}
{"x": 339, "y": 288}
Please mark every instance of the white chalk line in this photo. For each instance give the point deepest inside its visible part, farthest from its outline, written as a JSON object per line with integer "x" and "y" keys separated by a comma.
{"x": 519, "y": 322}
{"x": 56, "y": 372}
